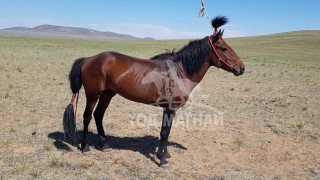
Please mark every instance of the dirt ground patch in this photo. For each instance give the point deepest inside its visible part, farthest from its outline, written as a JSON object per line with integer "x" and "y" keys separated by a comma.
{"x": 269, "y": 129}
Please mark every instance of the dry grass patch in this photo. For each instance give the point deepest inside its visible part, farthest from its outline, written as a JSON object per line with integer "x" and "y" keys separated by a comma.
{"x": 270, "y": 123}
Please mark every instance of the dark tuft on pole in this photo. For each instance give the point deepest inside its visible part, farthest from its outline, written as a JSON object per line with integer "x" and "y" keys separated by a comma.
{"x": 219, "y": 21}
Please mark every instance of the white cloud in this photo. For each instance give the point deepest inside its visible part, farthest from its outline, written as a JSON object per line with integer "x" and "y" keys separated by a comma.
{"x": 233, "y": 30}
{"x": 229, "y": 33}
{"x": 161, "y": 32}
{"x": 152, "y": 30}
{"x": 135, "y": 29}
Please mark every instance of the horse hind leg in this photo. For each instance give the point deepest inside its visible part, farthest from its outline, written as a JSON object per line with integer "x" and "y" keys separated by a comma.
{"x": 87, "y": 116}
{"x": 103, "y": 104}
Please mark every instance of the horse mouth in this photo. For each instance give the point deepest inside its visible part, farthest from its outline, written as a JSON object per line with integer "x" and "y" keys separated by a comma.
{"x": 237, "y": 73}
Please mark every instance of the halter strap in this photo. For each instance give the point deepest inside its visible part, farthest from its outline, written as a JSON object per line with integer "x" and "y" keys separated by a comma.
{"x": 219, "y": 58}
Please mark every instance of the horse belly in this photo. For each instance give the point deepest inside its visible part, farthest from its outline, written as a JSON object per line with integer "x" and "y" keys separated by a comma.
{"x": 146, "y": 94}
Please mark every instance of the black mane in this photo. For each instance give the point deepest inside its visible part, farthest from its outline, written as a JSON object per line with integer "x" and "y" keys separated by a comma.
{"x": 166, "y": 55}
{"x": 192, "y": 56}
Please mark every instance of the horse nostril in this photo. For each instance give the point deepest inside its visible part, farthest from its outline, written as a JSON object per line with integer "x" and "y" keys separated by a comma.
{"x": 242, "y": 70}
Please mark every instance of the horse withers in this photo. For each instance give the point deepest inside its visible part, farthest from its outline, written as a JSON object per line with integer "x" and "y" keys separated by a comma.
{"x": 166, "y": 80}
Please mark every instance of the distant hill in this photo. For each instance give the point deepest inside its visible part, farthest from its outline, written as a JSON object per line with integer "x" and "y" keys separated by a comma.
{"x": 301, "y": 34}
{"x": 52, "y": 30}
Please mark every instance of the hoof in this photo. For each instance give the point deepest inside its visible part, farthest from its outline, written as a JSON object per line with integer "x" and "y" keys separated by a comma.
{"x": 164, "y": 166}
{"x": 105, "y": 148}
{"x": 103, "y": 145}
{"x": 163, "y": 155}
{"x": 164, "y": 163}
{"x": 86, "y": 150}
{"x": 167, "y": 155}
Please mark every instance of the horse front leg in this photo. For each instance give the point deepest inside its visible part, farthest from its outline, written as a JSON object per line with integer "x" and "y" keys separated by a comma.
{"x": 162, "y": 152}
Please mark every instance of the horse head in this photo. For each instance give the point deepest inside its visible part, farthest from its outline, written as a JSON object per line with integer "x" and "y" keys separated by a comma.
{"x": 222, "y": 54}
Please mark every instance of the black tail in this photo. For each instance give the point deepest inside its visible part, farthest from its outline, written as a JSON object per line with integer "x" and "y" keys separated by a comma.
{"x": 69, "y": 125}
{"x": 75, "y": 75}
{"x": 69, "y": 120}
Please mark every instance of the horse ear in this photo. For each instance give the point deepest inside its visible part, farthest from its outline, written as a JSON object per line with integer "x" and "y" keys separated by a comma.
{"x": 222, "y": 33}
{"x": 219, "y": 34}
{"x": 215, "y": 37}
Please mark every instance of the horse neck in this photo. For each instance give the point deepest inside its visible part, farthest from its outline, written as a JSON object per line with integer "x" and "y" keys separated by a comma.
{"x": 197, "y": 77}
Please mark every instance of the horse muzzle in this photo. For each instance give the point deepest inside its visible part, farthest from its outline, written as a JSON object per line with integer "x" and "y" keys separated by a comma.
{"x": 239, "y": 70}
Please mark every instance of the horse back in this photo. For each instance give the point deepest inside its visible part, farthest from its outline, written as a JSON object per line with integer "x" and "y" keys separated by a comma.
{"x": 114, "y": 71}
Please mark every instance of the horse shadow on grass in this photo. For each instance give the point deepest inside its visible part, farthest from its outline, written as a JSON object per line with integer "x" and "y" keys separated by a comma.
{"x": 145, "y": 145}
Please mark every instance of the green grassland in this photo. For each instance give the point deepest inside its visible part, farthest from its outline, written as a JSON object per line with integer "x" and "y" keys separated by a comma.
{"x": 271, "y": 126}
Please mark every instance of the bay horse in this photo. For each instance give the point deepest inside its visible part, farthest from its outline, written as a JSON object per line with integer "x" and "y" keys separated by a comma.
{"x": 165, "y": 80}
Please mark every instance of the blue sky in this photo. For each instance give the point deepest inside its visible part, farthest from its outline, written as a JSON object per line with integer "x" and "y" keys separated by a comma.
{"x": 165, "y": 19}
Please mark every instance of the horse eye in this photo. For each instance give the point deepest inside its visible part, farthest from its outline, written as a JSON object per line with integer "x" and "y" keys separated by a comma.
{"x": 224, "y": 49}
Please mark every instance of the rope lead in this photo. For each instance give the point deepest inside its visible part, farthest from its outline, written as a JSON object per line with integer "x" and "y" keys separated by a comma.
{"x": 203, "y": 11}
